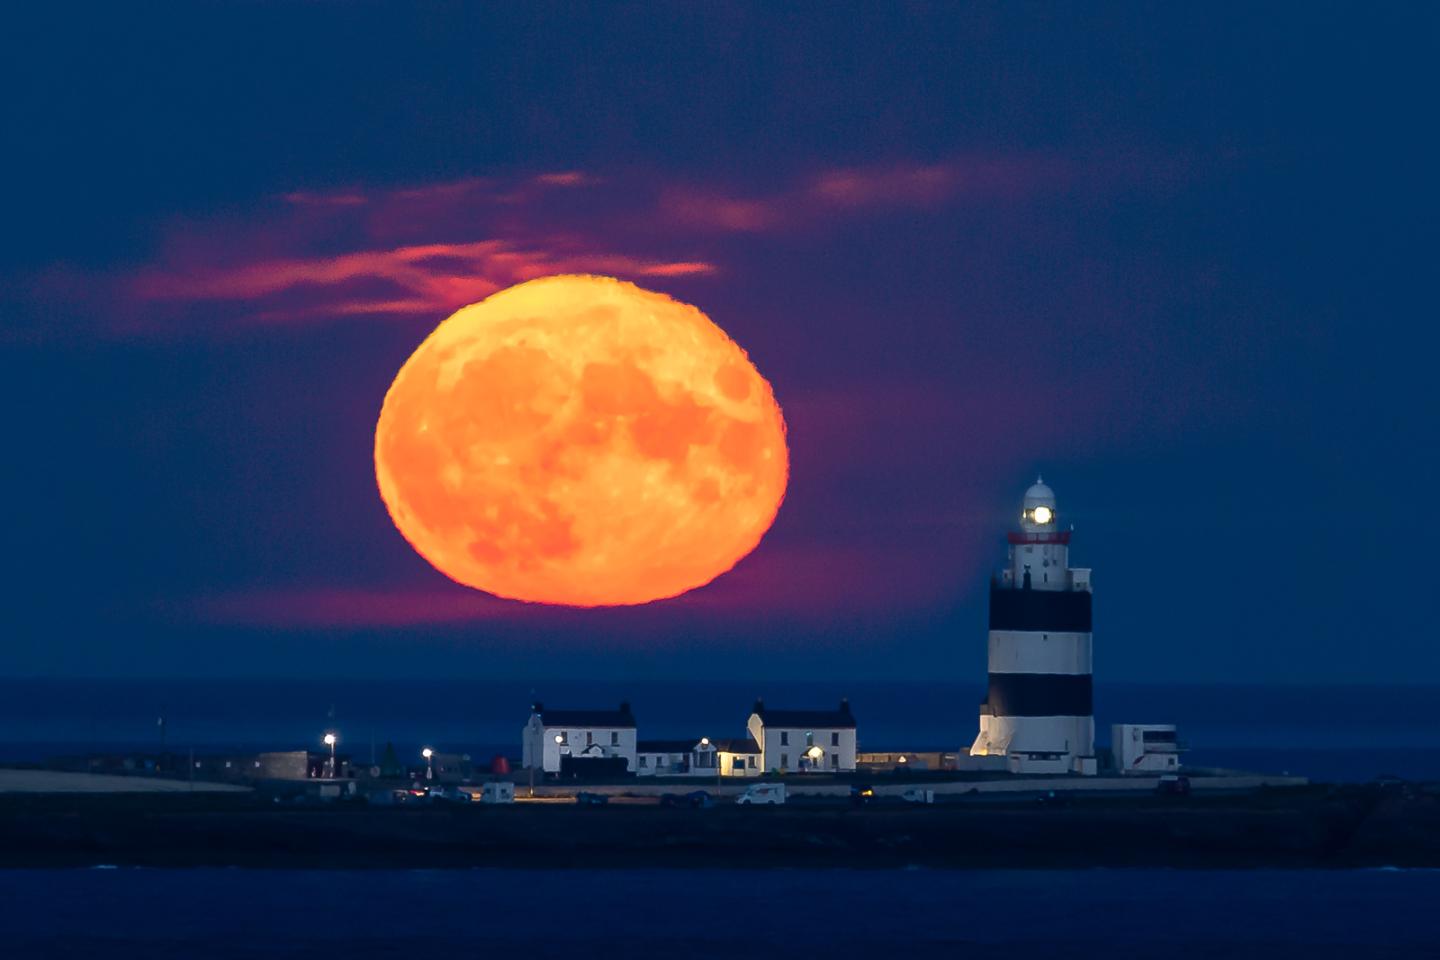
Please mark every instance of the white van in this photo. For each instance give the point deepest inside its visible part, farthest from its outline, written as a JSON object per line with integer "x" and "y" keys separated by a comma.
{"x": 758, "y": 793}
{"x": 497, "y": 792}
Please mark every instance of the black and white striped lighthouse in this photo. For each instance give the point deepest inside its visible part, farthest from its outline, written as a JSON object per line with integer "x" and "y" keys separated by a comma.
{"x": 1038, "y": 713}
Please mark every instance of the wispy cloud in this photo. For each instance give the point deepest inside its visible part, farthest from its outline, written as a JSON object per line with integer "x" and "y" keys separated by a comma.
{"x": 424, "y": 250}
{"x": 422, "y": 278}
{"x": 858, "y": 190}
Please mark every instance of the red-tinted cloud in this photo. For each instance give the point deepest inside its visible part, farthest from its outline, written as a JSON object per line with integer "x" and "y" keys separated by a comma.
{"x": 424, "y": 250}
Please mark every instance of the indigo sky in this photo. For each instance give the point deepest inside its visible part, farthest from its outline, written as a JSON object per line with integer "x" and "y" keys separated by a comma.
{"x": 1179, "y": 259}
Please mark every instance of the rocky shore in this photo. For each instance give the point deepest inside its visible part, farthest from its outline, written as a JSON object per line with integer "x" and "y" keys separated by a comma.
{"x": 1369, "y": 826}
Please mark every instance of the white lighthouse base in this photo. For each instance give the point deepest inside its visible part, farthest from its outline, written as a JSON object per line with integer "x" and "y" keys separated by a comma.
{"x": 1053, "y": 745}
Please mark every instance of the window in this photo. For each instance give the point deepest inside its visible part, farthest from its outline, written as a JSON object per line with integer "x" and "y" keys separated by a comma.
{"x": 834, "y": 761}
{"x": 644, "y": 760}
{"x": 589, "y": 737}
{"x": 809, "y": 738}
{"x": 564, "y": 736}
{"x": 738, "y": 763}
{"x": 784, "y": 738}
{"x": 835, "y": 739}
{"x": 785, "y": 760}
{"x": 614, "y": 739}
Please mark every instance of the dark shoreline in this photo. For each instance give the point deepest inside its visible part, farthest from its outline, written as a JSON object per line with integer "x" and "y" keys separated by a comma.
{"x": 1314, "y": 827}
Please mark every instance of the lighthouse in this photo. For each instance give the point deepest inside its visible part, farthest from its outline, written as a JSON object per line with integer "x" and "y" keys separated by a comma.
{"x": 1038, "y": 713}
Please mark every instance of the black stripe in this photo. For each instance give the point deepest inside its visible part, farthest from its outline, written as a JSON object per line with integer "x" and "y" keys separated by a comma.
{"x": 1060, "y": 611}
{"x": 1041, "y": 695}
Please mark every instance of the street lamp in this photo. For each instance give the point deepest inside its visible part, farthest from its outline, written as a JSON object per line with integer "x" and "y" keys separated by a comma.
{"x": 330, "y": 741}
{"x": 429, "y": 756}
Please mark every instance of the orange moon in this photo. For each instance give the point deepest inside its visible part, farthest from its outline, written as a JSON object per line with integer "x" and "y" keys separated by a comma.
{"x": 578, "y": 440}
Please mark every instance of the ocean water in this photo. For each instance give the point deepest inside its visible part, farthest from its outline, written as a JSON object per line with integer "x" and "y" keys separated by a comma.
{"x": 125, "y": 914}
{"x": 1333, "y": 733}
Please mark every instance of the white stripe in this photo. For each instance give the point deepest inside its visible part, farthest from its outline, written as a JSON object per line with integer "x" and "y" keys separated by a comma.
{"x": 1035, "y": 651}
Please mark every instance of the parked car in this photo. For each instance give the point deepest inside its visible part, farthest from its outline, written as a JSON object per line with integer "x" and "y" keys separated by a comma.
{"x": 448, "y": 794}
{"x": 699, "y": 799}
{"x": 918, "y": 795}
{"x": 762, "y": 793}
{"x": 587, "y": 799}
{"x": 862, "y": 794}
{"x": 1173, "y": 784}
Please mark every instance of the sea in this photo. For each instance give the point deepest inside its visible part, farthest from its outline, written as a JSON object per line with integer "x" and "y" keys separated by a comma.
{"x": 1328, "y": 733}
{"x": 130, "y": 914}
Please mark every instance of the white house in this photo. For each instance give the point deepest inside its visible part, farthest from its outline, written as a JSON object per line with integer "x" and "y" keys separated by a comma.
{"x": 804, "y": 741}
{"x": 739, "y": 758}
{"x": 561, "y": 741}
{"x": 1145, "y": 747}
{"x": 676, "y": 758}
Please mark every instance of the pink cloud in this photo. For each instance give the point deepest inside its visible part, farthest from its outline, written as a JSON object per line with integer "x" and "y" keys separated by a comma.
{"x": 305, "y": 198}
{"x": 853, "y": 191}
{"x": 424, "y": 250}
{"x": 710, "y": 210}
{"x": 566, "y": 178}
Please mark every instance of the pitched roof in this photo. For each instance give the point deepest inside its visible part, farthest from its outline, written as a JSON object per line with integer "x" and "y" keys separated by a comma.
{"x": 621, "y": 718}
{"x": 841, "y": 719}
{"x": 737, "y": 746}
{"x": 666, "y": 746}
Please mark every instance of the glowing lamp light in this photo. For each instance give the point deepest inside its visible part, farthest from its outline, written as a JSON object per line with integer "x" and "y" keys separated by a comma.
{"x": 704, "y": 741}
{"x": 427, "y": 753}
{"x": 559, "y": 739}
{"x": 331, "y": 739}
{"x": 902, "y": 759}
{"x": 814, "y": 753}
{"x": 1044, "y": 514}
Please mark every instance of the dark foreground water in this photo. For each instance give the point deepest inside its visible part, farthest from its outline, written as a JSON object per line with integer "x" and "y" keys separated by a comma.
{"x": 219, "y": 914}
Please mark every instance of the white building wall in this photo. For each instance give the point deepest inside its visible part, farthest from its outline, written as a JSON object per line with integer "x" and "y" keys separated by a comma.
{"x": 753, "y": 765}
{"x": 786, "y": 756}
{"x": 539, "y": 740}
{"x": 1132, "y": 755}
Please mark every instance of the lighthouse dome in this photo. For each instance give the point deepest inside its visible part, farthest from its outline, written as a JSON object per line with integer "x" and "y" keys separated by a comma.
{"x": 1038, "y": 510}
{"x": 1039, "y": 495}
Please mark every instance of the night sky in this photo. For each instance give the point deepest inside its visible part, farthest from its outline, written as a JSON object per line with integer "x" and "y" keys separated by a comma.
{"x": 1178, "y": 259}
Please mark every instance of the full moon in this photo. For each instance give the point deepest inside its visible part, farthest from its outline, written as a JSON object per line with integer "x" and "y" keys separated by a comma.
{"x": 578, "y": 440}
